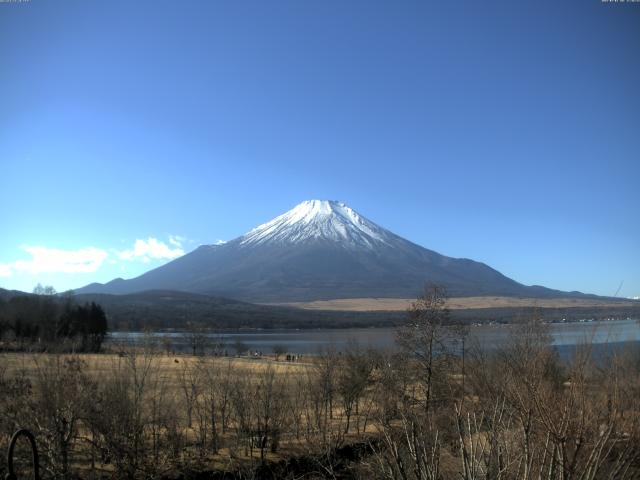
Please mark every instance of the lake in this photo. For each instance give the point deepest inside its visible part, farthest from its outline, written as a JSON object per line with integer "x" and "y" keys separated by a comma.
{"x": 565, "y": 336}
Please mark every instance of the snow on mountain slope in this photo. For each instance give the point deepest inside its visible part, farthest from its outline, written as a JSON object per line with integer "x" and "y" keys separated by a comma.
{"x": 320, "y": 250}
{"x": 314, "y": 220}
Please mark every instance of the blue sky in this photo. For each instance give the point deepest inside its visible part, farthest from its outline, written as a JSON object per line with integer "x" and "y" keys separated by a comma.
{"x": 507, "y": 132}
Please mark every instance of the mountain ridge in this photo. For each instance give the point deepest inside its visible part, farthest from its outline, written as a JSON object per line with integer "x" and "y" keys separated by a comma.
{"x": 321, "y": 250}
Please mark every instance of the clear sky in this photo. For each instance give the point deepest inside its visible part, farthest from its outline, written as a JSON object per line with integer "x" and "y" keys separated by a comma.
{"x": 503, "y": 131}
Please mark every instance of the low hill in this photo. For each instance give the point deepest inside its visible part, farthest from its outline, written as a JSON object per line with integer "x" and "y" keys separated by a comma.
{"x": 162, "y": 309}
{"x": 170, "y": 309}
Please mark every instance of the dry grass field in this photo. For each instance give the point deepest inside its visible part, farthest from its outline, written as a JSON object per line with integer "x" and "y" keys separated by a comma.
{"x": 170, "y": 366}
{"x": 455, "y": 303}
{"x": 142, "y": 413}
{"x": 210, "y": 413}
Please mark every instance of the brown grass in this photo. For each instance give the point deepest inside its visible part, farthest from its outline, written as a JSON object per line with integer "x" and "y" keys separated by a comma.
{"x": 456, "y": 303}
{"x": 169, "y": 365}
{"x": 169, "y": 369}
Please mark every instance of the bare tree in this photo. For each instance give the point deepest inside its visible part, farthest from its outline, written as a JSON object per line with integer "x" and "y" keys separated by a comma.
{"x": 429, "y": 340}
{"x": 61, "y": 394}
{"x": 213, "y": 401}
{"x": 189, "y": 381}
{"x": 278, "y": 350}
{"x": 120, "y": 416}
{"x": 549, "y": 420}
{"x": 354, "y": 377}
{"x": 270, "y": 409}
{"x": 197, "y": 338}
{"x": 240, "y": 347}
{"x": 411, "y": 450}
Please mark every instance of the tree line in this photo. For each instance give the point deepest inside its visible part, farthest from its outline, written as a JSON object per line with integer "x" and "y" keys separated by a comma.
{"x": 45, "y": 320}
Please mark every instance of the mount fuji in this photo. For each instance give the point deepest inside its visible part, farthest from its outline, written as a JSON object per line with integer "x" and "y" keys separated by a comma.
{"x": 321, "y": 250}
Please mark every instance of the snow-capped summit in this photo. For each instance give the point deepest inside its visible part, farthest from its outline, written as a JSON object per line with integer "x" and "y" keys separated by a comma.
{"x": 320, "y": 250}
{"x": 317, "y": 220}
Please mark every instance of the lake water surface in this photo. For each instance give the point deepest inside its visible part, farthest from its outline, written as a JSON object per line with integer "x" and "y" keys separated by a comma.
{"x": 564, "y": 335}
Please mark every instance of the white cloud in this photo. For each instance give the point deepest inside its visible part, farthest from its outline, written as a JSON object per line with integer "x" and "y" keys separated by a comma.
{"x": 5, "y": 270}
{"x": 152, "y": 249}
{"x": 220, "y": 242}
{"x": 52, "y": 260}
{"x": 176, "y": 240}
{"x": 89, "y": 259}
